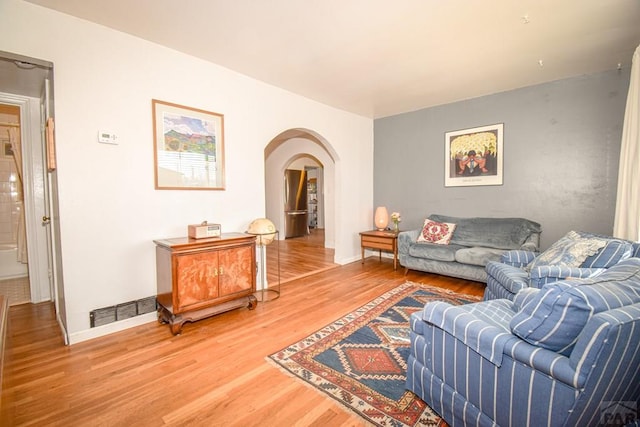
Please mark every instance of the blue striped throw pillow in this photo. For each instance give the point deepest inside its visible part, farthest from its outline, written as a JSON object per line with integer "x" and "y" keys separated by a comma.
{"x": 614, "y": 251}
{"x": 554, "y": 318}
{"x": 570, "y": 251}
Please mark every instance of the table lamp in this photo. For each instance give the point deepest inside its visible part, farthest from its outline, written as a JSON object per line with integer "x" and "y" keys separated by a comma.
{"x": 381, "y": 218}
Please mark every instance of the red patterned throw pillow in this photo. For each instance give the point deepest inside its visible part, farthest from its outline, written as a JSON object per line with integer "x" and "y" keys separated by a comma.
{"x": 436, "y": 232}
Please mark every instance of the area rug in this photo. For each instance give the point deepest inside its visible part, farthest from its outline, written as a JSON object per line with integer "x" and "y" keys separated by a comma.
{"x": 360, "y": 360}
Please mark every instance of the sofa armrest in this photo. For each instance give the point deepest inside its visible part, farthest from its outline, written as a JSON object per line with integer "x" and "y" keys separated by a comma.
{"x": 513, "y": 279}
{"x": 492, "y": 343}
{"x": 518, "y": 258}
{"x": 539, "y": 276}
{"x": 532, "y": 244}
{"x": 405, "y": 239}
{"x": 540, "y": 359}
{"x": 485, "y": 339}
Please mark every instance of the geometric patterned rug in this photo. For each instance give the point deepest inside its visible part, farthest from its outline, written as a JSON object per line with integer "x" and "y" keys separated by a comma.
{"x": 360, "y": 360}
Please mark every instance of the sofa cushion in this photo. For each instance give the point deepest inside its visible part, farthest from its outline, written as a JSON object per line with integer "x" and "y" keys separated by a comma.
{"x": 434, "y": 252}
{"x": 570, "y": 251}
{"x": 498, "y": 233}
{"x": 478, "y": 256}
{"x": 555, "y": 316}
{"x": 439, "y": 233}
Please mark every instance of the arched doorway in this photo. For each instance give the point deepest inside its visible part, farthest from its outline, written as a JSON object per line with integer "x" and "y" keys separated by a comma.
{"x": 287, "y": 148}
{"x": 302, "y": 149}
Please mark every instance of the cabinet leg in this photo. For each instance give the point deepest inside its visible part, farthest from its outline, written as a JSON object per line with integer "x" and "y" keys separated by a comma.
{"x": 175, "y": 322}
{"x": 163, "y": 316}
{"x": 253, "y": 302}
{"x": 176, "y": 327}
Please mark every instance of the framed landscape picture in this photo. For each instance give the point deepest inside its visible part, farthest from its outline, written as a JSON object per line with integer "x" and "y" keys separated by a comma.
{"x": 188, "y": 148}
{"x": 474, "y": 156}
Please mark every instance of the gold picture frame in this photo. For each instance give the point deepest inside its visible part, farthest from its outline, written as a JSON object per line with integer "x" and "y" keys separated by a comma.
{"x": 188, "y": 147}
{"x": 474, "y": 156}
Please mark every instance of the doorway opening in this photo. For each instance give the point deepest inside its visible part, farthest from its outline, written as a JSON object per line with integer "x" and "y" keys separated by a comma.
{"x": 14, "y": 272}
{"x": 308, "y": 152}
{"x": 27, "y": 84}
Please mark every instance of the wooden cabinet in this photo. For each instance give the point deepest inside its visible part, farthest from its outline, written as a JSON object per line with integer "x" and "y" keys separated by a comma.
{"x": 198, "y": 278}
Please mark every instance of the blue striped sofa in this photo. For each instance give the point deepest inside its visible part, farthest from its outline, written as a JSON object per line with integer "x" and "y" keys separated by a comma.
{"x": 518, "y": 269}
{"x": 562, "y": 355}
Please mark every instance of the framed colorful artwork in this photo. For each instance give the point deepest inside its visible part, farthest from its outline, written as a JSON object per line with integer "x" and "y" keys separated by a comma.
{"x": 188, "y": 148}
{"x": 474, "y": 156}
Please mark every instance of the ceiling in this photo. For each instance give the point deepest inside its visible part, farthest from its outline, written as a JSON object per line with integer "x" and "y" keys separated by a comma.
{"x": 378, "y": 58}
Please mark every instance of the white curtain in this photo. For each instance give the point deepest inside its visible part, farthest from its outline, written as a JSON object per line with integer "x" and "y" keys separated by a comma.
{"x": 627, "y": 219}
{"x": 16, "y": 147}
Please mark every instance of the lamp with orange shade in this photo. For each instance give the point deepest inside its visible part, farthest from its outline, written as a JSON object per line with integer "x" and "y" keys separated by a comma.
{"x": 381, "y": 218}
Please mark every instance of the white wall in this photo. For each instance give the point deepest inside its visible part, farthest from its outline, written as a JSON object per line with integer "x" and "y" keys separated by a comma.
{"x": 303, "y": 162}
{"x": 109, "y": 210}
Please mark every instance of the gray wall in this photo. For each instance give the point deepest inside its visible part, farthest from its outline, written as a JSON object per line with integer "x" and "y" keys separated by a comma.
{"x": 561, "y": 152}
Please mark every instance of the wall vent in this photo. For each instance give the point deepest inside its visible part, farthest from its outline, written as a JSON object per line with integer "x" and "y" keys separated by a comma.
{"x": 146, "y": 305}
{"x": 106, "y": 315}
{"x": 126, "y": 310}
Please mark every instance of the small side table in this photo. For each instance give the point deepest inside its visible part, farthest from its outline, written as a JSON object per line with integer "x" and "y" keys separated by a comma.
{"x": 381, "y": 240}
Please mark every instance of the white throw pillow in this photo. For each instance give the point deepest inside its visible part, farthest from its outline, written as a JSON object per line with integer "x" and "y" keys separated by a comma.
{"x": 439, "y": 233}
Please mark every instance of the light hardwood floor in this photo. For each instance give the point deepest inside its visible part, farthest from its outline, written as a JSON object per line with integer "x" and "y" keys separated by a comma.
{"x": 213, "y": 374}
{"x": 298, "y": 257}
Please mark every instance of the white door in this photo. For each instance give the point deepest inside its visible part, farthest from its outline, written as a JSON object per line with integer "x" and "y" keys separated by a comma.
{"x": 45, "y": 113}
{"x": 51, "y": 219}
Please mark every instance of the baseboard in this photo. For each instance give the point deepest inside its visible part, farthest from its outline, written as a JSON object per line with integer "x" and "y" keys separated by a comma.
{"x": 62, "y": 328}
{"x": 110, "y": 328}
{"x": 4, "y": 316}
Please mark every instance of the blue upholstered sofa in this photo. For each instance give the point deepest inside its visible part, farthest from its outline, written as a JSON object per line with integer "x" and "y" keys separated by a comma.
{"x": 562, "y": 355}
{"x": 474, "y": 242}
{"x": 577, "y": 254}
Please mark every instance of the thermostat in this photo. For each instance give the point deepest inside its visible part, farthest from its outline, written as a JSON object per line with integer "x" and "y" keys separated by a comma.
{"x": 107, "y": 137}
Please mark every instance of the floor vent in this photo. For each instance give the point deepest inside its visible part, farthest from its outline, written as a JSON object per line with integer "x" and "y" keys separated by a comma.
{"x": 106, "y": 315}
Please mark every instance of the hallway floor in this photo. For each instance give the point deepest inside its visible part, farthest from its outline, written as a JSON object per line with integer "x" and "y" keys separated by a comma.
{"x": 299, "y": 257}
{"x": 17, "y": 290}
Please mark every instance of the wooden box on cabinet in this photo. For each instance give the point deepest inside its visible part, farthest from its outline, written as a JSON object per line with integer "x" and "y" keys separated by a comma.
{"x": 198, "y": 278}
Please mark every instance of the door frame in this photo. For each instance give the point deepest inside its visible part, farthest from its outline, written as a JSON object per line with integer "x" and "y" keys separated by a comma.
{"x": 45, "y": 264}
{"x": 33, "y": 180}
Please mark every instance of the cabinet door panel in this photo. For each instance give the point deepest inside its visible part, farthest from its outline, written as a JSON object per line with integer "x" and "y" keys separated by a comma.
{"x": 237, "y": 274}
{"x": 197, "y": 278}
